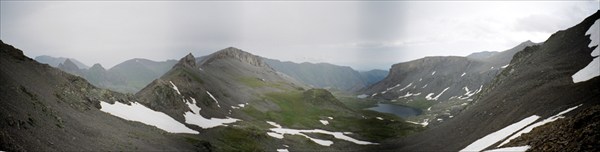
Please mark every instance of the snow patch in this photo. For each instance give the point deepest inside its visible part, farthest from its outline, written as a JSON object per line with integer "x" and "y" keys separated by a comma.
{"x": 278, "y": 132}
{"x": 510, "y": 149}
{"x": 592, "y": 69}
{"x": 405, "y": 87}
{"x": 428, "y": 97}
{"x": 432, "y": 73}
{"x": 362, "y": 96}
{"x": 424, "y": 123}
{"x": 537, "y": 124}
{"x": 213, "y": 97}
{"x": 195, "y": 118}
{"x": 424, "y": 86}
{"x": 463, "y": 74}
{"x": 324, "y": 122}
{"x": 282, "y": 150}
{"x": 379, "y": 118}
{"x": 140, "y": 113}
{"x": 505, "y": 66}
{"x": 494, "y": 137}
{"x": 175, "y": 88}
{"x": 330, "y": 118}
{"x": 469, "y": 93}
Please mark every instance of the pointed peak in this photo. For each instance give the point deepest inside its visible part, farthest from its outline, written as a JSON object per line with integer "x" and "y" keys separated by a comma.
{"x": 97, "y": 66}
{"x": 187, "y": 61}
{"x": 68, "y": 64}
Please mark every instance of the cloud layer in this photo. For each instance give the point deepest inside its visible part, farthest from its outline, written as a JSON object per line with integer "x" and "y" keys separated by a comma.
{"x": 364, "y": 35}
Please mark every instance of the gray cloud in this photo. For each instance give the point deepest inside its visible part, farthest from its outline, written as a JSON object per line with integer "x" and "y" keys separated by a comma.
{"x": 364, "y": 35}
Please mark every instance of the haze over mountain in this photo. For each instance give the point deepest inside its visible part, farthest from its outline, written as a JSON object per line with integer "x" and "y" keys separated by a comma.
{"x": 362, "y": 35}
{"x": 325, "y": 75}
{"x": 242, "y": 81}
{"x": 127, "y": 77}
{"x": 55, "y": 61}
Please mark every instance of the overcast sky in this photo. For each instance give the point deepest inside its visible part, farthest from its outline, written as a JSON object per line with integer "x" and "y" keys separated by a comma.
{"x": 363, "y": 35}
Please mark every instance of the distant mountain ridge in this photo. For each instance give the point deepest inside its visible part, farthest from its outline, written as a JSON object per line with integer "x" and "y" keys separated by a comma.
{"x": 126, "y": 77}
{"x": 55, "y": 61}
{"x": 325, "y": 75}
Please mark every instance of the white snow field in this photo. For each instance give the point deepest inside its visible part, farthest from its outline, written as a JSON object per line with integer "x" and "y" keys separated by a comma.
{"x": 278, "y": 132}
{"x": 494, "y": 137}
{"x": 195, "y": 118}
{"x": 593, "y": 69}
{"x": 140, "y": 113}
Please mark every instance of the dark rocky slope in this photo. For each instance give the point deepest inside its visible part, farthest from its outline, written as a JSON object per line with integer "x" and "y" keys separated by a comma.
{"x": 537, "y": 82}
{"x": 45, "y": 109}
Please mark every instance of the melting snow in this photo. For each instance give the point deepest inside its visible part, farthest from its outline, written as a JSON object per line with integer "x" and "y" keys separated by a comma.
{"x": 175, "y": 88}
{"x": 379, "y": 118}
{"x": 195, "y": 118}
{"x": 592, "y": 69}
{"x": 494, "y": 137}
{"x": 405, "y": 87}
{"x": 424, "y": 86}
{"x": 420, "y": 79}
{"x": 511, "y": 149}
{"x": 463, "y": 74}
{"x": 505, "y": 66}
{"x": 278, "y": 132}
{"x": 362, "y": 96}
{"x": 211, "y": 96}
{"x": 424, "y": 123}
{"x": 330, "y": 118}
{"x": 374, "y": 94}
{"x": 428, "y": 97}
{"x": 140, "y": 113}
{"x": 241, "y": 105}
{"x": 432, "y": 73}
{"x": 537, "y": 124}
{"x": 324, "y": 122}
{"x": 468, "y": 93}
{"x": 282, "y": 150}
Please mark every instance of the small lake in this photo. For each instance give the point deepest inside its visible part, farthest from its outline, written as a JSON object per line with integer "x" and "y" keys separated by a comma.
{"x": 398, "y": 110}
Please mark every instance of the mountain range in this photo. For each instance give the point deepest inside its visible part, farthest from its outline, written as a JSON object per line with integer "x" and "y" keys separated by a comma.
{"x": 534, "y": 96}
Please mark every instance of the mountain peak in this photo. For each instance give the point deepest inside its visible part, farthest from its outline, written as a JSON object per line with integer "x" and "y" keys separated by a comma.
{"x": 68, "y": 65}
{"x": 97, "y": 66}
{"x": 188, "y": 61}
{"x": 235, "y": 53}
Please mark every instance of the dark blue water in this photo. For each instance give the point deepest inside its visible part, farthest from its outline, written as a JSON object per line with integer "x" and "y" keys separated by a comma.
{"x": 401, "y": 111}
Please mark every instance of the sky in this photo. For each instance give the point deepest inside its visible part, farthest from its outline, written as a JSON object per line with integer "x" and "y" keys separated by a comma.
{"x": 360, "y": 34}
